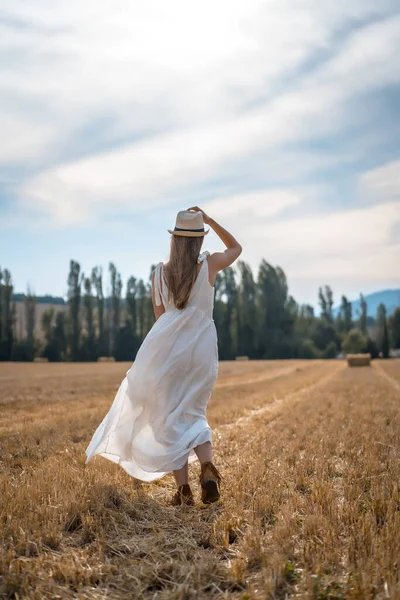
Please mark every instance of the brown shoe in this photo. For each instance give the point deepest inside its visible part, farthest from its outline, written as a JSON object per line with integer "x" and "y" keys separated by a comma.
{"x": 183, "y": 496}
{"x": 209, "y": 480}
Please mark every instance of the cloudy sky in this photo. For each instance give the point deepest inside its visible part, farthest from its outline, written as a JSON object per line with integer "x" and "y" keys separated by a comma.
{"x": 279, "y": 117}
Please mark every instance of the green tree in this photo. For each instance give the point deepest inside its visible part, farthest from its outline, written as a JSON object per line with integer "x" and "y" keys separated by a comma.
{"x": 97, "y": 281}
{"x": 325, "y": 297}
{"x": 330, "y": 351}
{"x": 247, "y": 318}
{"x": 116, "y": 288}
{"x": 126, "y": 343}
{"x": 307, "y": 349}
{"x": 363, "y": 315}
{"x": 74, "y": 302}
{"x": 372, "y": 348}
{"x": 383, "y": 335}
{"x": 55, "y": 348}
{"x": 394, "y": 328}
{"x": 30, "y": 317}
{"x": 131, "y": 291}
{"x": 305, "y": 320}
{"x": 355, "y": 342}
{"x": 59, "y": 337}
{"x": 275, "y": 321}
{"x": 219, "y": 311}
{"x": 88, "y": 306}
{"x": 46, "y": 322}
{"x": 345, "y": 320}
{"x": 228, "y": 346}
{"x": 324, "y": 334}
{"x": 7, "y": 315}
{"x": 385, "y": 341}
{"x": 141, "y": 309}
{"x": 149, "y": 311}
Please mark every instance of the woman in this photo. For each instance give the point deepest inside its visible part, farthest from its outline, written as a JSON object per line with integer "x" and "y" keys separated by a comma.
{"x": 157, "y": 422}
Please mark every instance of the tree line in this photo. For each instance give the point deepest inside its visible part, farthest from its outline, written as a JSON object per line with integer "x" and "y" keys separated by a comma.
{"x": 254, "y": 317}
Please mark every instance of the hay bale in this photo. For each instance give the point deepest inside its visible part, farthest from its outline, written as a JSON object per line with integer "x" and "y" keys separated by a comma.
{"x": 242, "y": 358}
{"x": 106, "y": 359}
{"x": 358, "y": 360}
{"x": 40, "y": 359}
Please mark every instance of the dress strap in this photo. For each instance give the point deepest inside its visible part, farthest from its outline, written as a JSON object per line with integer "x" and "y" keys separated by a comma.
{"x": 203, "y": 256}
{"x": 157, "y": 284}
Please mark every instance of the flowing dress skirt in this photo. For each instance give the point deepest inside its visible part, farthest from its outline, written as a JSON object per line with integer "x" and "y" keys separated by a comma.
{"x": 159, "y": 412}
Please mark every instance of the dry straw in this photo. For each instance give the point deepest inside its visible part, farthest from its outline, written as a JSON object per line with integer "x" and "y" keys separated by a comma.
{"x": 310, "y": 493}
{"x": 359, "y": 360}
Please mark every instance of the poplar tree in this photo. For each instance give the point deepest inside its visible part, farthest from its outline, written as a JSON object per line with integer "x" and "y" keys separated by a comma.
{"x": 88, "y": 304}
{"x": 394, "y": 327}
{"x": 345, "y": 316}
{"x": 30, "y": 318}
{"x": 247, "y": 320}
{"x": 272, "y": 308}
{"x": 7, "y": 315}
{"x": 131, "y": 291}
{"x": 74, "y": 302}
{"x": 383, "y": 335}
{"x": 141, "y": 309}
{"x": 97, "y": 281}
{"x": 116, "y": 288}
{"x": 228, "y": 346}
{"x": 325, "y": 297}
{"x": 363, "y": 315}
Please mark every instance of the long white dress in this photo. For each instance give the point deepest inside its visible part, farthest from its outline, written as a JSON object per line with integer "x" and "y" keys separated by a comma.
{"x": 159, "y": 412}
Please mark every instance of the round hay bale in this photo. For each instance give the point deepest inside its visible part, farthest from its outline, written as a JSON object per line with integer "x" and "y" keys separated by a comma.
{"x": 242, "y": 358}
{"x": 358, "y": 360}
{"x": 106, "y": 359}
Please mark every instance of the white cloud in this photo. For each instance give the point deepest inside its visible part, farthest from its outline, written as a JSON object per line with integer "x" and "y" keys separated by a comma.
{"x": 383, "y": 182}
{"x": 348, "y": 243}
{"x": 130, "y": 106}
{"x": 262, "y": 203}
{"x": 152, "y": 170}
{"x": 22, "y": 137}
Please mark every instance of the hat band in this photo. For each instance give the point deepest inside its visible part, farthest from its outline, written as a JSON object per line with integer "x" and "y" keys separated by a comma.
{"x": 192, "y": 230}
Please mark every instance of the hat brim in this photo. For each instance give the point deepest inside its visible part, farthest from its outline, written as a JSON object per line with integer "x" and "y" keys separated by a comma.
{"x": 189, "y": 233}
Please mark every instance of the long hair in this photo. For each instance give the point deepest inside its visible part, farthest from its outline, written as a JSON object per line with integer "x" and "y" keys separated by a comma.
{"x": 181, "y": 270}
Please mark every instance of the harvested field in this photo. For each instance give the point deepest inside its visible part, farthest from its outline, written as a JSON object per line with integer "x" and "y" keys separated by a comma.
{"x": 391, "y": 368}
{"x": 309, "y": 451}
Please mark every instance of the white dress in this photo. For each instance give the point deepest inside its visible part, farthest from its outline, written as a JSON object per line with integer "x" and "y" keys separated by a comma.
{"x": 159, "y": 412}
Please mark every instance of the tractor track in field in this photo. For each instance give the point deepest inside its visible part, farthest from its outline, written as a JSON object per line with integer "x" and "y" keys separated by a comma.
{"x": 382, "y": 373}
{"x": 261, "y": 378}
{"x": 272, "y": 407}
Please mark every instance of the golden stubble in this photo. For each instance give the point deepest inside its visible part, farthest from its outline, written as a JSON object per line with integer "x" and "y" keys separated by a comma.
{"x": 309, "y": 452}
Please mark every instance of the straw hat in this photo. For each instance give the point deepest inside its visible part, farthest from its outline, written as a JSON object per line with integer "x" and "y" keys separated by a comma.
{"x": 189, "y": 224}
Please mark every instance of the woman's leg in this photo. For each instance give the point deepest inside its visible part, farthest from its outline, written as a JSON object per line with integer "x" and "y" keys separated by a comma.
{"x": 182, "y": 475}
{"x": 209, "y": 477}
{"x": 204, "y": 452}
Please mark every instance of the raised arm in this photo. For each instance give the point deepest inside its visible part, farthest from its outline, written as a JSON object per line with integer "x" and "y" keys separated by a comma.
{"x": 220, "y": 260}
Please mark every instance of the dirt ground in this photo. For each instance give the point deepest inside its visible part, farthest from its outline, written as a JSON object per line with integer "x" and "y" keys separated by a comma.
{"x": 310, "y": 503}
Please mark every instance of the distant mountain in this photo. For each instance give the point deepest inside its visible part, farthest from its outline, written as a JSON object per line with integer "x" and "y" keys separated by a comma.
{"x": 390, "y": 298}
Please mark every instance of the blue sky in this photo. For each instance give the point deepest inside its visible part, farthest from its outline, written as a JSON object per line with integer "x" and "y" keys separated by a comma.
{"x": 280, "y": 118}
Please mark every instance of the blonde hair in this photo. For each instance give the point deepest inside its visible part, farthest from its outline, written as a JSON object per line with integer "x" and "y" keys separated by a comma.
{"x": 181, "y": 271}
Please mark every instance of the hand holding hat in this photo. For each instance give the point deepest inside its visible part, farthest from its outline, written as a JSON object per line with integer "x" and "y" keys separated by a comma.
{"x": 206, "y": 218}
